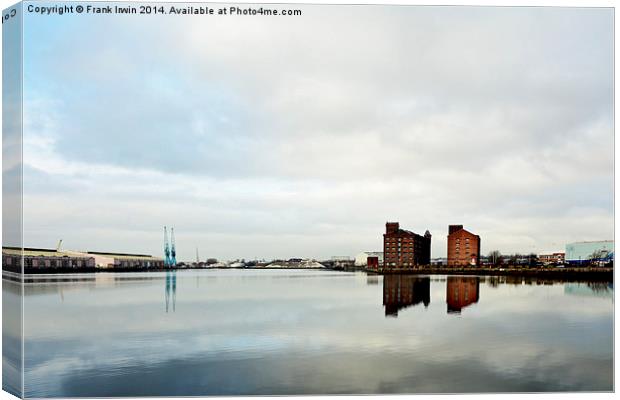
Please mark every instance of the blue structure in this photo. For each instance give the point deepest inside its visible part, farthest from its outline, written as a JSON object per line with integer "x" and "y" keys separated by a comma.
{"x": 167, "y": 261}
{"x": 586, "y": 252}
{"x": 173, "y": 250}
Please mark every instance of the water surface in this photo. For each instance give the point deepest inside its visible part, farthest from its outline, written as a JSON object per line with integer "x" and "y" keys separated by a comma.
{"x": 228, "y": 332}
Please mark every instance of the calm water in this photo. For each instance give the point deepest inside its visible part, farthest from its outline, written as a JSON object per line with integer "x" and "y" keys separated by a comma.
{"x": 225, "y": 332}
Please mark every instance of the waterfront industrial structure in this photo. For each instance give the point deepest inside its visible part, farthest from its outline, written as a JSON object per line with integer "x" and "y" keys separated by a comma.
{"x": 463, "y": 247}
{"x": 45, "y": 259}
{"x": 170, "y": 251}
{"x": 125, "y": 260}
{"x": 587, "y": 252}
{"x": 405, "y": 249}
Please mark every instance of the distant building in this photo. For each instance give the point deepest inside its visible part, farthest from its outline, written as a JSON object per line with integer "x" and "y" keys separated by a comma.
{"x": 340, "y": 262}
{"x": 361, "y": 258}
{"x": 125, "y": 260}
{"x": 43, "y": 258}
{"x": 48, "y": 258}
{"x": 439, "y": 261}
{"x": 586, "y": 252}
{"x": 553, "y": 258}
{"x": 463, "y": 246}
{"x": 372, "y": 262}
{"x": 405, "y": 249}
{"x": 461, "y": 292}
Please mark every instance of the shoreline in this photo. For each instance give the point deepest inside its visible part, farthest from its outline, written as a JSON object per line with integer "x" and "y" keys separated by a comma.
{"x": 569, "y": 273}
{"x": 584, "y": 273}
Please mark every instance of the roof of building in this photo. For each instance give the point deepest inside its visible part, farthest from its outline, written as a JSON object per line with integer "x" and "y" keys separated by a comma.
{"x": 463, "y": 230}
{"x": 35, "y": 252}
{"x": 124, "y": 256}
{"x": 404, "y": 232}
{"x": 592, "y": 241}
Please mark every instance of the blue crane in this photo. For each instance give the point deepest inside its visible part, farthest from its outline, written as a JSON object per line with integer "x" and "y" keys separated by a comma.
{"x": 167, "y": 260}
{"x": 173, "y": 251}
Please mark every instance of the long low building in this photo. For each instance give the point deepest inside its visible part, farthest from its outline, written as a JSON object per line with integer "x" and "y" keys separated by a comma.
{"x": 586, "y": 252}
{"x": 123, "y": 260}
{"x": 66, "y": 259}
{"x": 43, "y": 258}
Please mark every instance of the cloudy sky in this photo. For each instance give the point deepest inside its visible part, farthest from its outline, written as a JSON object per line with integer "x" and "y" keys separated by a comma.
{"x": 301, "y": 136}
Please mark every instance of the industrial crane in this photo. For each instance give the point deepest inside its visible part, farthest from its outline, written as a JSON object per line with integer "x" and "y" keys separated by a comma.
{"x": 167, "y": 261}
{"x": 173, "y": 251}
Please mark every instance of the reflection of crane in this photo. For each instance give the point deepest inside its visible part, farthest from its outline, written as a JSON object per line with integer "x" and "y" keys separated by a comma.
{"x": 173, "y": 251}
{"x": 171, "y": 286}
{"x": 59, "y": 244}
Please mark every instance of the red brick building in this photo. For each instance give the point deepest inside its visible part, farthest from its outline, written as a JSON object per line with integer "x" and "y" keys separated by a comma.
{"x": 372, "y": 262}
{"x": 555, "y": 258}
{"x": 405, "y": 249}
{"x": 463, "y": 247}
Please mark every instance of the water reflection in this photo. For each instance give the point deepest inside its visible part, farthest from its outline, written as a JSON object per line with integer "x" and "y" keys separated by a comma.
{"x": 247, "y": 332}
{"x": 171, "y": 288}
{"x": 401, "y": 291}
{"x": 590, "y": 289}
{"x": 461, "y": 292}
{"x": 12, "y": 333}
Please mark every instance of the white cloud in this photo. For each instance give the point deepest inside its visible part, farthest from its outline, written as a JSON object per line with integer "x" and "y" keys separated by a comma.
{"x": 302, "y": 136}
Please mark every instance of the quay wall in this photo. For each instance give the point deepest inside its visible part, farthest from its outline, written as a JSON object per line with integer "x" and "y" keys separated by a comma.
{"x": 588, "y": 273}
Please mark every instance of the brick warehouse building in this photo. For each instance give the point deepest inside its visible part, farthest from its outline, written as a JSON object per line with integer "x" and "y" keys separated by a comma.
{"x": 463, "y": 246}
{"x": 405, "y": 249}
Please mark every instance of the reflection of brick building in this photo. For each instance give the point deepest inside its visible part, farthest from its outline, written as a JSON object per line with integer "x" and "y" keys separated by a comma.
{"x": 463, "y": 246}
{"x": 461, "y": 292}
{"x": 405, "y": 249}
{"x": 400, "y": 291}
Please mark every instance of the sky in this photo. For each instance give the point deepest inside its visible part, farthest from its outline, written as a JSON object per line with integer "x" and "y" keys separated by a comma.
{"x": 278, "y": 137}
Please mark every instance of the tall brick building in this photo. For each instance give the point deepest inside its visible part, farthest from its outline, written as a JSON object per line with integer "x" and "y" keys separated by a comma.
{"x": 463, "y": 246}
{"x": 405, "y": 249}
